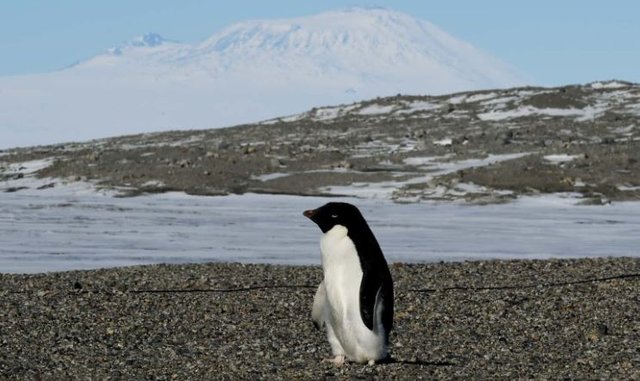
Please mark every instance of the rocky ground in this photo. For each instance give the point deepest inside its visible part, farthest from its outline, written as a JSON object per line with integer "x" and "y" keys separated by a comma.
{"x": 581, "y": 139}
{"x": 558, "y": 319}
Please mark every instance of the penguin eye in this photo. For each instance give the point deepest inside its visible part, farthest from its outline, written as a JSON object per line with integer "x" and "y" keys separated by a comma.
{"x": 334, "y": 216}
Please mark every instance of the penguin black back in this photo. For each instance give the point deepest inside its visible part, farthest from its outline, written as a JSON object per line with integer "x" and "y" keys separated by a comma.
{"x": 376, "y": 279}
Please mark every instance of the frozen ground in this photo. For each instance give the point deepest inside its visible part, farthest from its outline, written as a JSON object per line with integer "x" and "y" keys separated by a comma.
{"x": 74, "y": 228}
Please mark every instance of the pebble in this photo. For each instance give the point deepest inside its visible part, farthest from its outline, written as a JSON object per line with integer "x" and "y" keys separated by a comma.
{"x": 120, "y": 323}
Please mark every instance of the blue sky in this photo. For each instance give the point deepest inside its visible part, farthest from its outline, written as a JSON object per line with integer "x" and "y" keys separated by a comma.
{"x": 555, "y": 42}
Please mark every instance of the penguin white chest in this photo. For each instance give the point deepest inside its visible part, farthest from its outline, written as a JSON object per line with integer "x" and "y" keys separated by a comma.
{"x": 342, "y": 271}
{"x": 342, "y": 279}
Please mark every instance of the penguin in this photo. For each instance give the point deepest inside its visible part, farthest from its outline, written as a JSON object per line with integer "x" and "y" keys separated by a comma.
{"x": 355, "y": 299}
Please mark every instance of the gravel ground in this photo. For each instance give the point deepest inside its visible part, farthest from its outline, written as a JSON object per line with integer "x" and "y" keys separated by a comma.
{"x": 575, "y": 319}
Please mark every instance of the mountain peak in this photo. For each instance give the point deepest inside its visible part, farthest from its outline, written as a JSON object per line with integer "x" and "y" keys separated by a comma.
{"x": 377, "y": 31}
{"x": 148, "y": 40}
{"x": 368, "y": 43}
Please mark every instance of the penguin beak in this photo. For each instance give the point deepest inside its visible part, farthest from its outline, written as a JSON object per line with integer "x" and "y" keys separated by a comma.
{"x": 309, "y": 213}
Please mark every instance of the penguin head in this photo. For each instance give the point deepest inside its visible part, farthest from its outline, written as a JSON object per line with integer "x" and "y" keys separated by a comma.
{"x": 335, "y": 213}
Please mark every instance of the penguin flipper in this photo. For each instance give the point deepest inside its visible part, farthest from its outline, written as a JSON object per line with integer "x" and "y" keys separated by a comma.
{"x": 368, "y": 293}
{"x": 383, "y": 311}
{"x": 318, "y": 309}
{"x": 376, "y": 303}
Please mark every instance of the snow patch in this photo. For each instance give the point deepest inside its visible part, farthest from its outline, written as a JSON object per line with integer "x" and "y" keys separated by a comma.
{"x": 376, "y": 109}
{"x": 424, "y": 161}
{"x": 629, "y": 188}
{"x": 457, "y": 99}
{"x": 326, "y": 113}
{"x": 153, "y": 184}
{"x": 561, "y": 158}
{"x": 419, "y": 106}
{"x": 444, "y": 142}
{"x": 587, "y": 113}
{"x": 480, "y": 97}
{"x": 500, "y": 102}
{"x": 453, "y": 166}
{"x": 633, "y": 109}
{"x": 22, "y": 178}
{"x": 608, "y": 85}
{"x": 270, "y": 176}
{"x": 627, "y": 131}
{"x": 592, "y": 112}
{"x": 27, "y": 167}
{"x": 385, "y": 189}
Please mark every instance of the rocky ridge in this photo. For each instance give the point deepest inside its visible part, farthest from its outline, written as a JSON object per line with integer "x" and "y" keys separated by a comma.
{"x": 483, "y": 147}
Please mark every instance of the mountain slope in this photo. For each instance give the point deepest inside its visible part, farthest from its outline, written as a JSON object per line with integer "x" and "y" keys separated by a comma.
{"x": 481, "y": 147}
{"x": 247, "y": 72}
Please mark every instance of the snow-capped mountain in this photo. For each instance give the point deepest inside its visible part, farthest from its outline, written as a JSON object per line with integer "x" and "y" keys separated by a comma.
{"x": 247, "y": 72}
{"x": 148, "y": 40}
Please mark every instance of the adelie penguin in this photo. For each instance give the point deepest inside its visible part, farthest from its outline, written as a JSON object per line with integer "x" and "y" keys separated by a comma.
{"x": 355, "y": 299}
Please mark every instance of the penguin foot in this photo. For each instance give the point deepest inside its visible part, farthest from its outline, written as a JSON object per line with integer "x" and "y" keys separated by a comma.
{"x": 337, "y": 361}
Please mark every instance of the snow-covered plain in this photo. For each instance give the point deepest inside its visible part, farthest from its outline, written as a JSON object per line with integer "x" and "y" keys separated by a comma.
{"x": 69, "y": 228}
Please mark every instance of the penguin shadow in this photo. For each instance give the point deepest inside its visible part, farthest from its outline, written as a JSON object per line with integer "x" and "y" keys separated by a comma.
{"x": 391, "y": 360}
